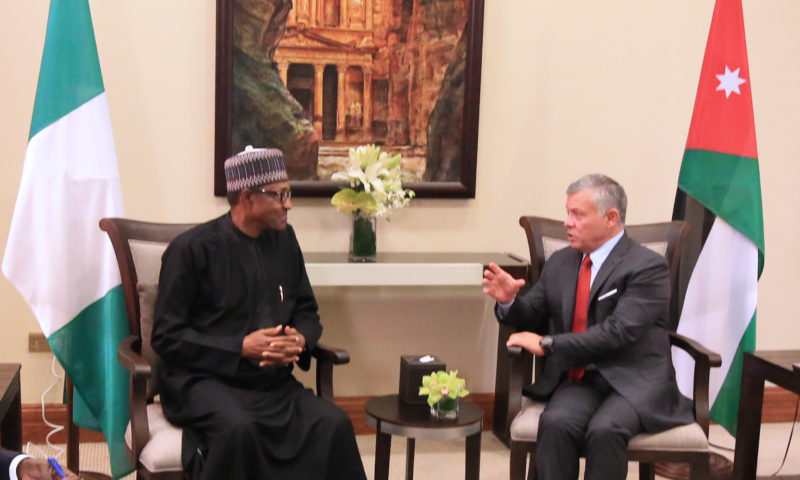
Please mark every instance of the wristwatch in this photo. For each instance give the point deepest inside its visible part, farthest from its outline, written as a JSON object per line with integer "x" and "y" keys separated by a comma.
{"x": 546, "y": 343}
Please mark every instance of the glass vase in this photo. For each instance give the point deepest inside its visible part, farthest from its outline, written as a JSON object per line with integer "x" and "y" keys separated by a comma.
{"x": 445, "y": 409}
{"x": 363, "y": 239}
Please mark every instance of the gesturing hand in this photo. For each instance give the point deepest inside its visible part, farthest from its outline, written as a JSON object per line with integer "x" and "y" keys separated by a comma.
{"x": 498, "y": 284}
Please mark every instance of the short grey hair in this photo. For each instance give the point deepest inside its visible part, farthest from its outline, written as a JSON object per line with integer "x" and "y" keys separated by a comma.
{"x": 607, "y": 193}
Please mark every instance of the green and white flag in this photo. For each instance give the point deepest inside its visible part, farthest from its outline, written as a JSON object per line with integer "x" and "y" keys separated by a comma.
{"x": 719, "y": 191}
{"x": 57, "y": 256}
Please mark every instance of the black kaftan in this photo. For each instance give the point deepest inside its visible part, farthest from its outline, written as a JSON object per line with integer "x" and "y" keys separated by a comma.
{"x": 216, "y": 286}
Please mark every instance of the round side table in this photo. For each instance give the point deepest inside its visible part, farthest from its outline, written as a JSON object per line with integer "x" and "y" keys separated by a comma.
{"x": 389, "y": 415}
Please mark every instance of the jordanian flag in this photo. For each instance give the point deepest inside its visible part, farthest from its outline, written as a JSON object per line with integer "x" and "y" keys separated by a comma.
{"x": 719, "y": 192}
{"x": 56, "y": 255}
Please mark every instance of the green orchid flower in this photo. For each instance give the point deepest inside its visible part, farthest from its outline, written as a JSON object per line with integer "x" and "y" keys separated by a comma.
{"x": 441, "y": 384}
{"x": 349, "y": 200}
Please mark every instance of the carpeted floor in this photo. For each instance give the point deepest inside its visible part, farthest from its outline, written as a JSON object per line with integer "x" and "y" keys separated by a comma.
{"x": 445, "y": 460}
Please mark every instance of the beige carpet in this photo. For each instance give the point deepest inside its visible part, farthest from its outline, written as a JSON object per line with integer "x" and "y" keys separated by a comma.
{"x": 445, "y": 460}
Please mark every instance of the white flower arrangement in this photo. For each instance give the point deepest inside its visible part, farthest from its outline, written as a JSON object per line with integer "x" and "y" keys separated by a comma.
{"x": 375, "y": 183}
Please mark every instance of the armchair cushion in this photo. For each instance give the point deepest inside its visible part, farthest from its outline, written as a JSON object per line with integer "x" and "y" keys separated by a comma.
{"x": 147, "y": 306}
{"x": 688, "y": 438}
{"x": 147, "y": 259}
{"x": 658, "y": 247}
{"x": 162, "y": 453}
{"x": 525, "y": 426}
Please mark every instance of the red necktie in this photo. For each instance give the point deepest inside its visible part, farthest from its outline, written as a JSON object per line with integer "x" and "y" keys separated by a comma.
{"x": 581, "y": 308}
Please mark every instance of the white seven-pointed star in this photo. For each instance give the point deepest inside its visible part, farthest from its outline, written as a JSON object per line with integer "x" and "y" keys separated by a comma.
{"x": 730, "y": 81}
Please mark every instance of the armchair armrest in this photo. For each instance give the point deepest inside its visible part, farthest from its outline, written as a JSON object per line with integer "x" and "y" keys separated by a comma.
{"x": 141, "y": 372}
{"x": 695, "y": 349}
{"x": 130, "y": 358}
{"x": 516, "y": 352}
{"x": 520, "y": 369}
{"x": 336, "y": 356}
{"x": 704, "y": 359}
{"x": 327, "y": 357}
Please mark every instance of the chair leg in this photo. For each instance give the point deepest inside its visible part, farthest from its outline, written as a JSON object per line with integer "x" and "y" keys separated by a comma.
{"x": 647, "y": 471}
{"x": 700, "y": 470}
{"x": 517, "y": 463}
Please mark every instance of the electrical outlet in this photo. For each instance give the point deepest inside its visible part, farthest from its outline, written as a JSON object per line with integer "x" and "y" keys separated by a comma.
{"x": 37, "y": 342}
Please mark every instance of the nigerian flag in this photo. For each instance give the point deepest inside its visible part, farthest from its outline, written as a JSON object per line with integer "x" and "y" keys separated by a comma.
{"x": 719, "y": 192}
{"x": 56, "y": 255}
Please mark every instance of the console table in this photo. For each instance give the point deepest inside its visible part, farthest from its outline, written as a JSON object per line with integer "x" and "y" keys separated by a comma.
{"x": 10, "y": 407}
{"x": 777, "y": 366}
{"x": 408, "y": 268}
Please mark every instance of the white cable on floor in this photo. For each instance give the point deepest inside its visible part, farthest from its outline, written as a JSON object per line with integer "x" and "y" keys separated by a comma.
{"x": 55, "y": 428}
{"x": 39, "y": 452}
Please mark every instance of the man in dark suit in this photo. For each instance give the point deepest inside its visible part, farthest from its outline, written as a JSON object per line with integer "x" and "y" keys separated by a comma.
{"x": 18, "y": 466}
{"x": 599, "y": 313}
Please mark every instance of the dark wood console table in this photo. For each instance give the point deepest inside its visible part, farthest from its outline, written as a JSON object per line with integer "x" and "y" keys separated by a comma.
{"x": 777, "y": 366}
{"x": 10, "y": 407}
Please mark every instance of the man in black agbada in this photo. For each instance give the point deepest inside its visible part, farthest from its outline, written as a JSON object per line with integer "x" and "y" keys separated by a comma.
{"x": 235, "y": 311}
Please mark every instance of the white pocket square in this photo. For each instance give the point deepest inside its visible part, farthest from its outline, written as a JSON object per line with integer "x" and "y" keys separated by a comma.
{"x": 606, "y": 295}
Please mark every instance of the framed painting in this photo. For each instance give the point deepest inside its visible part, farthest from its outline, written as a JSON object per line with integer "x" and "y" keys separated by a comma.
{"x": 317, "y": 77}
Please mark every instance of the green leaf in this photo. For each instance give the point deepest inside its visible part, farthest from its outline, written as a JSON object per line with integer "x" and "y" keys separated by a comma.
{"x": 393, "y": 162}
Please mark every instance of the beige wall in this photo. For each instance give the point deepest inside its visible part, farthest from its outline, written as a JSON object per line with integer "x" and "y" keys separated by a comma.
{"x": 567, "y": 88}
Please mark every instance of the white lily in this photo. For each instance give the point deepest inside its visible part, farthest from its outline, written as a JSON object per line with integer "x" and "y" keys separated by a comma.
{"x": 377, "y": 173}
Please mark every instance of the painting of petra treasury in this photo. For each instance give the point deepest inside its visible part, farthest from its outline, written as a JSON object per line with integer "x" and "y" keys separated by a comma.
{"x": 316, "y": 77}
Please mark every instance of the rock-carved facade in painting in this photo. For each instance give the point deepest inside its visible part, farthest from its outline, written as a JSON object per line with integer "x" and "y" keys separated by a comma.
{"x": 319, "y": 76}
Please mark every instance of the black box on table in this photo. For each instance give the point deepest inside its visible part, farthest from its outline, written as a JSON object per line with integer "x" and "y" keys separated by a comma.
{"x": 412, "y": 369}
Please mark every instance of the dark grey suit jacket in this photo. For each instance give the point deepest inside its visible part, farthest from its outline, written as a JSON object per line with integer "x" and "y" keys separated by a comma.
{"x": 626, "y": 338}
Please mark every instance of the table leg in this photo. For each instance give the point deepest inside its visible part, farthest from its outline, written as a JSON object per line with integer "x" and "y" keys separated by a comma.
{"x": 410, "y": 442}
{"x": 11, "y": 426}
{"x": 748, "y": 429}
{"x": 383, "y": 446}
{"x": 472, "y": 466}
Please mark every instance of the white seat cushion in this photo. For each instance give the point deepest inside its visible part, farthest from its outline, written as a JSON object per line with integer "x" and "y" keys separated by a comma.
{"x": 163, "y": 452}
{"x": 684, "y": 438}
{"x": 525, "y": 428}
